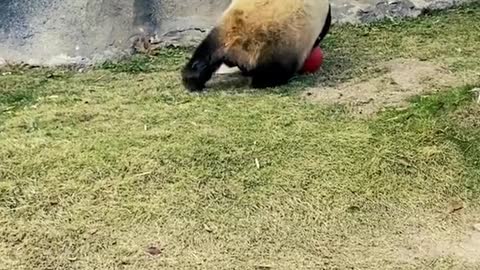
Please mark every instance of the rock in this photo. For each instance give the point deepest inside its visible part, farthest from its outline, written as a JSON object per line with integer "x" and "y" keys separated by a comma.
{"x": 476, "y": 92}
{"x": 440, "y": 4}
{"x": 154, "y": 251}
{"x": 388, "y": 9}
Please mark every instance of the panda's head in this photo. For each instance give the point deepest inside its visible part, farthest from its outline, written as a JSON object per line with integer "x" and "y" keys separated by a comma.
{"x": 193, "y": 75}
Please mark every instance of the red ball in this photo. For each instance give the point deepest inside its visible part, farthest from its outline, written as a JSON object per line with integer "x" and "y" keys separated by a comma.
{"x": 313, "y": 61}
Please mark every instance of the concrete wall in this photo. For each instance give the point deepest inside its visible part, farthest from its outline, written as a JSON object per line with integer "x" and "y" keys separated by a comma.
{"x": 81, "y": 31}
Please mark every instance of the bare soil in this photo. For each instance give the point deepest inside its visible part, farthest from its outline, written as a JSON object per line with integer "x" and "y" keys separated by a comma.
{"x": 403, "y": 78}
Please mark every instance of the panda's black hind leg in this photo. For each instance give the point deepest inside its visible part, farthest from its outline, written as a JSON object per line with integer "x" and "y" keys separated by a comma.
{"x": 325, "y": 29}
{"x": 205, "y": 60}
{"x": 273, "y": 74}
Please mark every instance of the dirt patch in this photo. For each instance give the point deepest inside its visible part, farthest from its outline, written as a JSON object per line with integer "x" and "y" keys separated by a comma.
{"x": 465, "y": 249}
{"x": 403, "y": 79}
{"x": 468, "y": 249}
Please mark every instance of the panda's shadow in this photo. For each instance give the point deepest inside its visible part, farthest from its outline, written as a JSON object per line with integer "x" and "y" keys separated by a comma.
{"x": 238, "y": 84}
{"x": 228, "y": 82}
{"x": 337, "y": 68}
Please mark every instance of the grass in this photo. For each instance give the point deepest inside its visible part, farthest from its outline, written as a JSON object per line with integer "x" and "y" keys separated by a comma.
{"x": 120, "y": 168}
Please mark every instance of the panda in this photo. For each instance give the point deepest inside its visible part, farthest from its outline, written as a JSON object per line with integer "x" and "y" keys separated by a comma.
{"x": 267, "y": 40}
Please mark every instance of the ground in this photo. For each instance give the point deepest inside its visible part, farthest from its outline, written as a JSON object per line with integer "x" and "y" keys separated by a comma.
{"x": 120, "y": 168}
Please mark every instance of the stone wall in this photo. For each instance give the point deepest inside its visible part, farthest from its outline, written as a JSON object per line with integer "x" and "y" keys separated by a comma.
{"x": 75, "y": 31}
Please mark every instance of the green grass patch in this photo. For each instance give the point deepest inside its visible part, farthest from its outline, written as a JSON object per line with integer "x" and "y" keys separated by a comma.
{"x": 164, "y": 60}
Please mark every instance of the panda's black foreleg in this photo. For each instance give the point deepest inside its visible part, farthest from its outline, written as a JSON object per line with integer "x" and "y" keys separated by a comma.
{"x": 325, "y": 29}
{"x": 205, "y": 60}
{"x": 272, "y": 74}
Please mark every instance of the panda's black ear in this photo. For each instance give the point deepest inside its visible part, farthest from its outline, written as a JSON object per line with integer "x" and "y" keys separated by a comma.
{"x": 199, "y": 65}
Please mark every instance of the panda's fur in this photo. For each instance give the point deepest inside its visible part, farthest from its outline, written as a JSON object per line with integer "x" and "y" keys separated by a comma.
{"x": 268, "y": 40}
